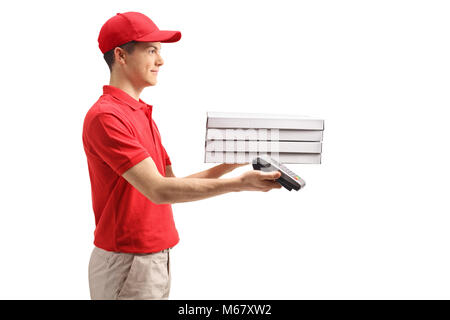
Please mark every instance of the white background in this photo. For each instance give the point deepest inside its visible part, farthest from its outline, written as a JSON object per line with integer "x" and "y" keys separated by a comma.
{"x": 373, "y": 221}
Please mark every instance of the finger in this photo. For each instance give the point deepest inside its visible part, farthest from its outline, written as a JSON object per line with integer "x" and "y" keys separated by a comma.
{"x": 271, "y": 175}
{"x": 235, "y": 165}
{"x": 272, "y": 185}
{"x": 276, "y": 185}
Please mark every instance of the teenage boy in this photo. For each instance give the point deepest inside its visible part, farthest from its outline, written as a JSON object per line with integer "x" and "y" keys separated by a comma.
{"x": 132, "y": 181}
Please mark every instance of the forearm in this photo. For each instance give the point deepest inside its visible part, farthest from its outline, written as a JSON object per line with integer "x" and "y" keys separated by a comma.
{"x": 215, "y": 172}
{"x": 146, "y": 178}
{"x": 175, "y": 190}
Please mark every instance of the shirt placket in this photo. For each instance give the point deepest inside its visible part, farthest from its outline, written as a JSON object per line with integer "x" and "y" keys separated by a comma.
{"x": 148, "y": 112}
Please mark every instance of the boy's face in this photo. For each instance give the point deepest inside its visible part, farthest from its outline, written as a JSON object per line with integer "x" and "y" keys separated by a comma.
{"x": 143, "y": 64}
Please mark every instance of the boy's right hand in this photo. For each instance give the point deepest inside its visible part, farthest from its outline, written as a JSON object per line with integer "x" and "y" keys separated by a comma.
{"x": 256, "y": 180}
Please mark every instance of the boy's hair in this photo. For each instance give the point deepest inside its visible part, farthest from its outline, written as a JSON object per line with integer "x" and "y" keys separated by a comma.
{"x": 109, "y": 55}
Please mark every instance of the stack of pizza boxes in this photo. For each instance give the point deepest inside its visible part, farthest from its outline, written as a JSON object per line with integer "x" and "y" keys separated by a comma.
{"x": 241, "y": 137}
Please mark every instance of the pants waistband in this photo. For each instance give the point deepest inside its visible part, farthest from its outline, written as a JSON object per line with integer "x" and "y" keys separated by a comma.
{"x": 106, "y": 253}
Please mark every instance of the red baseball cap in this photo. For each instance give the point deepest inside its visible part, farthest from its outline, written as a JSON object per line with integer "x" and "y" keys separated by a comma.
{"x": 129, "y": 26}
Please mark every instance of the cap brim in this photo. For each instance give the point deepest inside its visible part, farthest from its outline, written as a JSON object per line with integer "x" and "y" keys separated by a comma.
{"x": 162, "y": 36}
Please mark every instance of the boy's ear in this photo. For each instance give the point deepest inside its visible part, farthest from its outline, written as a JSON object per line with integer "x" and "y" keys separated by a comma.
{"x": 119, "y": 54}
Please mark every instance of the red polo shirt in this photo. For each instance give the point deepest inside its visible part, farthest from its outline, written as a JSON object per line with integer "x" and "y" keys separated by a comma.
{"x": 119, "y": 132}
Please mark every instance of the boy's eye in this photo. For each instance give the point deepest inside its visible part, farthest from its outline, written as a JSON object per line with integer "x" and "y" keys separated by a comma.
{"x": 152, "y": 51}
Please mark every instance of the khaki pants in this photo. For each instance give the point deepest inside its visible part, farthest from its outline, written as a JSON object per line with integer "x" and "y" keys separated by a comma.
{"x": 115, "y": 275}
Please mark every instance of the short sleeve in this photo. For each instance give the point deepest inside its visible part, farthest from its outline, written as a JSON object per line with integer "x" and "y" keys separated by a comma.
{"x": 166, "y": 157}
{"x": 113, "y": 141}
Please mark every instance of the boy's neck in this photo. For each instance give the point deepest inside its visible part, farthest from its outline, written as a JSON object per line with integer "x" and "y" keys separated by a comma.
{"x": 127, "y": 87}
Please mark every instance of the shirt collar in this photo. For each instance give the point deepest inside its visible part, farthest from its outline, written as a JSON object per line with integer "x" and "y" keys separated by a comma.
{"x": 125, "y": 97}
